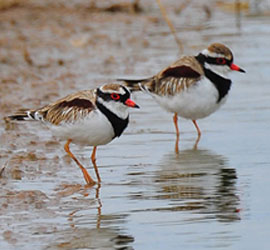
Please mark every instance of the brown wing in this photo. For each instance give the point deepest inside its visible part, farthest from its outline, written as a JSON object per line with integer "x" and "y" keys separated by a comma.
{"x": 177, "y": 77}
{"x": 180, "y": 71}
{"x": 69, "y": 109}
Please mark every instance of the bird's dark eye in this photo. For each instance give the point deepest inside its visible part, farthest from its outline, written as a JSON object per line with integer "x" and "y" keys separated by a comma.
{"x": 115, "y": 96}
{"x": 221, "y": 61}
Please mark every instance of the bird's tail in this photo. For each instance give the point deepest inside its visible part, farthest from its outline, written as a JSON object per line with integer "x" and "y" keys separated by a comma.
{"x": 135, "y": 85}
{"x": 23, "y": 115}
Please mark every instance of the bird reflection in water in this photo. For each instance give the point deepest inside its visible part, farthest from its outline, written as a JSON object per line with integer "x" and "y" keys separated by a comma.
{"x": 86, "y": 232}
{"x": 199, "y": 181}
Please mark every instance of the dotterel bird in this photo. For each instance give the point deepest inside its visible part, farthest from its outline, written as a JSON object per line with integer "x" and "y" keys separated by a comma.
{"x": 90, "y": 117}
{"x": 193, "y": 87}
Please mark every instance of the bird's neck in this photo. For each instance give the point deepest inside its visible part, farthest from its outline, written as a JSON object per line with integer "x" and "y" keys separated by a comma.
{"x": 221, "y": 83}
{"x": 118, "y": 124}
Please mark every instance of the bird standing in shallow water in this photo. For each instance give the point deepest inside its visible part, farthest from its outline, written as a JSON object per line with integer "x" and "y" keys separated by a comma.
{"x": 193, "y": 87}
{"x": 90, "y": 117}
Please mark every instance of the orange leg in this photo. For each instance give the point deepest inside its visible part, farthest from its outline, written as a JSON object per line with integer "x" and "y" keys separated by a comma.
{"x": 199, "y": 134}
{"x": 93, "y": 158}
{"x": 86, "y": 176}
{"x": 175, "y": 119}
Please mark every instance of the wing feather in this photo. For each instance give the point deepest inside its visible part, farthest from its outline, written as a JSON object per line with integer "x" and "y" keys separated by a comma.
{"x": 69, "y": 109}
{"x": 178, "y": 76}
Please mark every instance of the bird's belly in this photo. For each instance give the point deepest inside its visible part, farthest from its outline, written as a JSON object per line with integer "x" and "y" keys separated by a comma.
{"x": 94, "y": 130}
{"x": 196, "y": 102}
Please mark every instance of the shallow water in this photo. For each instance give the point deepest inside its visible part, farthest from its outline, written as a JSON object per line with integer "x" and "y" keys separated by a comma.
{"x": 150, "y": 198}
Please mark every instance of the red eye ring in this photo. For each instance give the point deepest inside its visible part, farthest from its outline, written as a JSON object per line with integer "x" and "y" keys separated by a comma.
{"x": 221, "y": 61}
{"x": 115, "y": 96}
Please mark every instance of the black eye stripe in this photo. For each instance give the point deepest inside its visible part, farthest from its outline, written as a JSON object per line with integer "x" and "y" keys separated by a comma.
{"x": 214, "y": 60}
{"x": 107, "y": 96}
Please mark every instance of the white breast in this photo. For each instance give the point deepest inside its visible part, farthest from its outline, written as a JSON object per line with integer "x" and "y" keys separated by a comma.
{"x": 198, "y": 101}
{"x": 93, "y": 130}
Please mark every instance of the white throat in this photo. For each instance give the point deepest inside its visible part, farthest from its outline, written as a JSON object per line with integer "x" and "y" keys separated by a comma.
{"x": 118, "y": 108}
{"x": 221, "y": 70}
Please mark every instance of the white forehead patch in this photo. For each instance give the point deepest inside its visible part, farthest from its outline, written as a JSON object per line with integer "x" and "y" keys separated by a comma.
{"x": 120, "y": 91}
{"x": 206, "y": 52}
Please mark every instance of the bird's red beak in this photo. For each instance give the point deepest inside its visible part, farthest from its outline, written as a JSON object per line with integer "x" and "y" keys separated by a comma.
{"x": 131, "y": 104}
{"x": 237, "y": 68}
